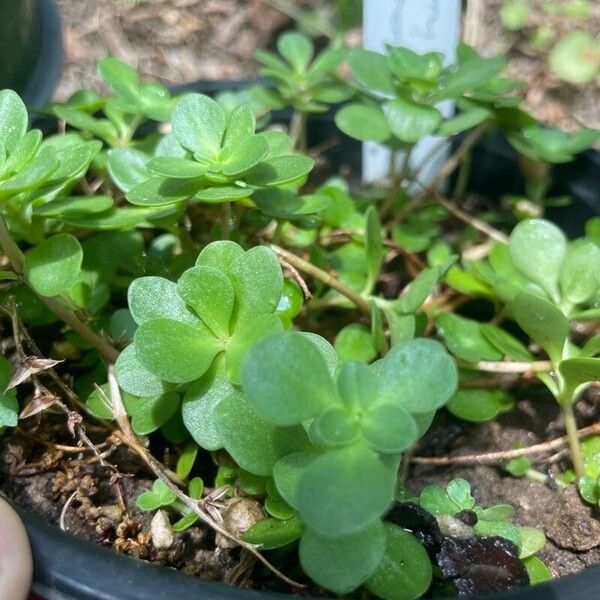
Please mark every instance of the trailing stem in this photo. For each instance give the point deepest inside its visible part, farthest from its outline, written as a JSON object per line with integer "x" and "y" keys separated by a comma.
{"x": 298, "y": 130}
{"x": 68, "y": 316}
{"x": 325, "y": 277}
{"x": 572, "y": 438}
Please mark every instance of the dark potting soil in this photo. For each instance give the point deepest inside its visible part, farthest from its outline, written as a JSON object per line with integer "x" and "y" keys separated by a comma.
{"x": 74, "y": 491}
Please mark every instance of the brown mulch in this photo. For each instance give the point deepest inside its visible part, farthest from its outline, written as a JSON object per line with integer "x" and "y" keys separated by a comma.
{"x": 175, "y": 41}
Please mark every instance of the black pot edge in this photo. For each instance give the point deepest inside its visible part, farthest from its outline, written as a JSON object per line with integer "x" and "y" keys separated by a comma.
{"x": 119, "y": 573}
{"x": 68, "y": 568}
{"x": 49, "y": 62}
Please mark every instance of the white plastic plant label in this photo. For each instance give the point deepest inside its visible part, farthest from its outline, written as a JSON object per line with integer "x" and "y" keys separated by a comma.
{"x": 422, "y": 26}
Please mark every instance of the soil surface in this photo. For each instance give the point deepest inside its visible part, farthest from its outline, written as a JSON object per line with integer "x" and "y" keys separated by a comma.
{"x": 176, "y": 41}
{"x": 73, "y": 491}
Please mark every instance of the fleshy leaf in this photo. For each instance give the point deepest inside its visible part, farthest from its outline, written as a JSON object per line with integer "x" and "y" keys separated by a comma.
{"x": 538, "y": 248}
{"x": 286, "y": 379}
{"x": 480, "y": 405}
{"x": 344, "y": 490}
{"x": 210, "y": 293}
{"x": 53, "y": 266}
{"x": 198, "y": 410}
{"x": 389, "y": 429}
{"x": 157, "y": 298}
{"x": 175, "y": 351}
{"x": 542, "y": 322}
{"x": 255, "y": 444}
{"x": 134, "y": 377}
{"x": 342, "y": 563}
{"x": 199, "y": 125}
{"x": 405, "y": 572}
{"x": 418, "y": 375}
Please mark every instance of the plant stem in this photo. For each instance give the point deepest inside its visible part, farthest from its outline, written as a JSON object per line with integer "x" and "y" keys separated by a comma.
{"x": 447, "y": 169}
{"x": 572, "y": 438}
{"x": 17, "y": 260}
{"x": 298, "y": 130}
{"x": 492, "y": 366}
{"x": 327, "y": 278}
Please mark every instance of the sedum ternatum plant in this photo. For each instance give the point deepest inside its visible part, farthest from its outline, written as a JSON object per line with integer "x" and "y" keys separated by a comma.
{"x": 290, "y": 341}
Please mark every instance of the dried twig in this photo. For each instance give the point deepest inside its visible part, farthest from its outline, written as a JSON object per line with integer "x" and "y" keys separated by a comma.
{"x": 159, "y": 471}
{"x": 504, "y": 455}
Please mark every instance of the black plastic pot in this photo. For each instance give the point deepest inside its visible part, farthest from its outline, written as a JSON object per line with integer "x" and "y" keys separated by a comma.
{"x": 67, "y": 568}
{"x": 30, "y": 48}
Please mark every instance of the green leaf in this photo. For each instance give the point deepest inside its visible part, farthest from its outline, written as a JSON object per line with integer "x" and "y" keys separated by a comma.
{"x": 479, "y": 406}
{"x": 158, "y": 191}
{"x": 148, "y": 414}
{"x": 245, "y": 155}
{"x": 258, "y": 283}
{"x": 199, "y": 125}
{"x": 354, "y": 342}
{"x": 53, "y": 266}
{"x": 498, "y": 512}
{"x": 357, "y": 386}
{"x": 13, "y": 119}
{"x": 579, "y": 276}
{"x": 198, "y": 410}
{"x": 22, "y": 153}
{"x": 371, "y": 71}
{"x": 9, "y": 406}
{"x": 592, "y": 347}
{"x": 537, "y": 248}
{"x": 244, "y": 336}
{"x": 9, "y": 410}
{"x": 176, "y": 168}
{"x": 342, "y": 563}
{"x": 134, "y": 377}
{"x": 74, "y": 206}
{"x": 279, "y": 170}
{"x": 532, "y": 541}
{"x": 389, "y": 429}
{"x": 255, "y": 444}
{"x": 542, "y": 322}
{"x": 220, "y": 254}
{"x": 344, "y": 490}
{"x": 464, "y": 338}
{"x": 297, "y": 49}
{"x": 287, "y": 473}
{"x": 224, "y": 193}
{"x": 175, "y": 351}
{"x": 459, "y": 491}
{"x": 576, "y": 58}
{"x": 286, "y": 379}
{"x": 185, "y": 522}
{"x": 578, "y": 371}
{"x": 186, "y": 460}
{"x": 505, "y": 342}
{"x": 538, "y": 572}
{"x": 273, "y": 533}
{"x": 241, "y": 125}
{"x": 436, "y": 500}
{"x": 210, "y": 293}
{"x": 127, "y": 167}
{"x": 505, "y": 530}
{"x": 363, "y": 122}
{"x": 335, "y": 427}
{"x": 418, "y": 375}
{"x": 463, "y": 121}
{"x": 157, "y": 298}
{"x": 405, "y": 572}
{"x": 36, "y": 173}
{"x": 410, "y": 121}
{"x": 123, "y": 79}
{"x": 160, "y": 495}
{"x": 415, "y": 294}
